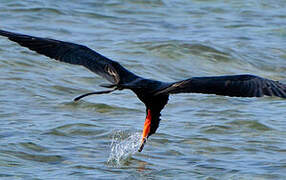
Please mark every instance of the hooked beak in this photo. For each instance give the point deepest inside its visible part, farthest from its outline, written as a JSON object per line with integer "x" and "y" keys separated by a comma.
{"x": 146, "y": 130}
{"x": 142, "y": 144}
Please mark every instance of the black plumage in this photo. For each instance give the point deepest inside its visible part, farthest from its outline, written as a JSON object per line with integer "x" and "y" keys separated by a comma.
{"x": 236, "y": 85}
{"x": 154, "y": 94}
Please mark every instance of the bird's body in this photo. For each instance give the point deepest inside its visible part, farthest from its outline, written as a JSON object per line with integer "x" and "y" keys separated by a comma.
{"x": 154, "y": 94}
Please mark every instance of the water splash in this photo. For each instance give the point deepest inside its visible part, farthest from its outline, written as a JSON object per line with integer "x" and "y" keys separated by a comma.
{"x": 124, "y": 145}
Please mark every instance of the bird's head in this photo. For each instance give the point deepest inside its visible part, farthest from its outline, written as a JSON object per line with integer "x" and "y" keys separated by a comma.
{"x": 154, "y": 105}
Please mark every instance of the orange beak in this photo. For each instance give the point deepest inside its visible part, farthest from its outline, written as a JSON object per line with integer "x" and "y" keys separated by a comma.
{"x": 146, "y": 130}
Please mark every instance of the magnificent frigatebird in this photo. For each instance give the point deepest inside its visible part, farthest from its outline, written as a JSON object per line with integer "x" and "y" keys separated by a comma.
{"x": 154, "y": 94}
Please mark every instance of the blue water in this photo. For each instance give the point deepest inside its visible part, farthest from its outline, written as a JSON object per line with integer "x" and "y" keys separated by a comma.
{"x": 45, "y": 135}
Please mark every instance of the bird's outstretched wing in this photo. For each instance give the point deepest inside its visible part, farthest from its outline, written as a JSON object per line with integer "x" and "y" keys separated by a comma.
{"x": 235, "y": 85}
{"x": 74, "y": 54}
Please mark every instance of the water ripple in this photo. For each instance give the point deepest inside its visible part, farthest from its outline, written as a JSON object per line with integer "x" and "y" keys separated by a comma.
{"x": 33, "y": 10}
{"x": 255, "y": 125}
{"x": 77, "y": 129}
{"x": 34, "y": 157}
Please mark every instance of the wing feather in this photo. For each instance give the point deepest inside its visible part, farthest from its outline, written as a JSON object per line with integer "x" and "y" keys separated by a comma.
{"x": 235, "y": 85}
{"x": 74, "y": 54}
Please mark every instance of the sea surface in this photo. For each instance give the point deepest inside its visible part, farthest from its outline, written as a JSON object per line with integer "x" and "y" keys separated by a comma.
{"x": 45, "y": 135}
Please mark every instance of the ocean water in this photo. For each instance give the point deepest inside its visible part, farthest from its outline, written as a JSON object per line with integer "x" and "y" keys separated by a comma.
{"x": 45, "y": 135}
